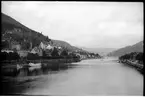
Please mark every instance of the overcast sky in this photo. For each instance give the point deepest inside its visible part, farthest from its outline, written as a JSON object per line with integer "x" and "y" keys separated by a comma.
{"x": 86, "y": 24}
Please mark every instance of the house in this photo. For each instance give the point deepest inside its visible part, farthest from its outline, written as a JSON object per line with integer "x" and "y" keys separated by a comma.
{"x": 37, "y": 50}
{"x": 59, "y": 49}
{"x": 48, "y": 52}
{"x": 49, "y": 47}
{"x": 46, "y": 45}
{"x": 23, "y": 53}
{"x": 15, "y": 45}
{"x": 7, "y": 51}
{"x": 9, "y": 32}
{"x": 43, "y": 45}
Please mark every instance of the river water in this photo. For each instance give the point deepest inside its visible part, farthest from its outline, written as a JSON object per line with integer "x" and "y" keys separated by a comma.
{"x": 87, "y": 78}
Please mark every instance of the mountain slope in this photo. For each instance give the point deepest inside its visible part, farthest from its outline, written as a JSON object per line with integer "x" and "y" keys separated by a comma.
{"x": 7, "y": 20}
{"x": 138, "y": 47}
{"x": 101, "y": 51}
{"x": 12, "y": 30}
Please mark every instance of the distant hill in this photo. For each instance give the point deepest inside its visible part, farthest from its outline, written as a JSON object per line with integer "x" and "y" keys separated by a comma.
{"x": 12, "y": 30}
{"x": 138, "y": 47}
{"x": 66, "y": 45}
{"x": 101, "y": 51}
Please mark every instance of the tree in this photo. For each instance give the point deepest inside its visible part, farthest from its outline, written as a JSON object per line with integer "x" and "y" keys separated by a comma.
{"x": 64, "y": 53}
{"x": 25, "y": 45}
{"x": 32, "y": 56}
{"x": 47, "y": 39}
{"x": 10, "y": 56}
{"x": 55, "y": 52}
{"x": 139, "y": 57}
{"x": 15, "y": 56}
{"x": 5, "y": 44}
{"x": 4, "y": 56}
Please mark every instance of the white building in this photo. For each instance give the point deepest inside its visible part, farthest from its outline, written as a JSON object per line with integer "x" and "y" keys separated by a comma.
{"x": 7, "y": 51}
{"x": 42, "y": 45}
{"x": 37, "y": 50}
{"x": 49, "y": 47}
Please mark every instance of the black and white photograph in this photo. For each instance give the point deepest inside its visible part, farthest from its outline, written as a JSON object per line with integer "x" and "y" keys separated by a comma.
{"x": 72, "y": 48}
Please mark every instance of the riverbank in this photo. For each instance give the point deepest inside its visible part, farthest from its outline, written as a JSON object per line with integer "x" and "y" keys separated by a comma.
{"x": 137, "y": 66}
{"x": 40, "y": 61}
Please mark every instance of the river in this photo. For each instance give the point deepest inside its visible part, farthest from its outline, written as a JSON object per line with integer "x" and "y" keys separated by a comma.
{"x": 88, "y": 78}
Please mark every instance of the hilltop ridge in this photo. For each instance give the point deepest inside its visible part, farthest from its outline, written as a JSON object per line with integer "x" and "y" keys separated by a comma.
{"x": 138, "y": 47}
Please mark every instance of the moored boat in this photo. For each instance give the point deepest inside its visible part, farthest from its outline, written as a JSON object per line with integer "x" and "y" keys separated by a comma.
{"x": 32, "y": 64}
{"x": 18, "y": 66}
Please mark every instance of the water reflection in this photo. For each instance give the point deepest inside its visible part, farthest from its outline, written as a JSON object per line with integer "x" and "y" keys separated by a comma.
{"x": 35, "y": 70}
{"x": 85, "y": 78}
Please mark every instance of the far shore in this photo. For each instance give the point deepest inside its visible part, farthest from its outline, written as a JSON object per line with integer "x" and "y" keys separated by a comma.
{"x": 63, "y": 60}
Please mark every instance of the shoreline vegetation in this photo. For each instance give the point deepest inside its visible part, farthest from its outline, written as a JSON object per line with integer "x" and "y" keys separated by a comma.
{"x": 46, "y": 60}
{"x": 42, "y": 60}
{"x": 138, "y": 67}
{"x": 23, "y": 63}
{"x": 15, "y": 59}
{"x": 133, "y": 59}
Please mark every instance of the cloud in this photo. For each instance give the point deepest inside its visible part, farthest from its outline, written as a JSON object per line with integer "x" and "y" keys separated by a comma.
{"x": 93, "y": 24}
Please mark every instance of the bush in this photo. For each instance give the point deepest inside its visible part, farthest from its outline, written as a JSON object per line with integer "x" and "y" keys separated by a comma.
{"x": 32, "y": 56}
{"x": 139, "y": 57}
{"x": 10, "y": 56}
{"x": 132, "y": 56}
{"x": 54, "y": 52}
{"x": 64, "y": 53}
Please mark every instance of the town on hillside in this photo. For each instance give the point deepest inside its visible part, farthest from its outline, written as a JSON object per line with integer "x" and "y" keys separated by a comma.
{"x": 45, "y": 50}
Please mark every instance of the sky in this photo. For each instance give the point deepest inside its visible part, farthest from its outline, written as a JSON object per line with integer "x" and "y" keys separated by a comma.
{"x": 83, "y": 24}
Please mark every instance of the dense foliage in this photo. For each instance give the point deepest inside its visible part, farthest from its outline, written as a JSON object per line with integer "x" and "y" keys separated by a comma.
{"x": 133, "y": 56}
{"x": 32, "y": 56}
{"x": 54, "y": 52}
{"x": 9, "y": 56}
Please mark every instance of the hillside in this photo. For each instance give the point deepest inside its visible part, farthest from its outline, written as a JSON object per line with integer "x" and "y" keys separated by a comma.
{"x": 101, "y": 51}
{"x": 138, "y": 47}
{"x": 7, "y": 20}
{"x": 12, "y": 30}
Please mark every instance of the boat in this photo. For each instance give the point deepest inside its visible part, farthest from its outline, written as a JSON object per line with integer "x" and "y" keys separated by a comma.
{"x": 32, "y": 64}
{"x": 34, "y": 68}
{"x": 18, "y": 66}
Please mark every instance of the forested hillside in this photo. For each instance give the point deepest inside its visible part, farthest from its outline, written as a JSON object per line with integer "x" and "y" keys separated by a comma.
{"x": 138, "y": 47}
{"x": 12, "y": 30}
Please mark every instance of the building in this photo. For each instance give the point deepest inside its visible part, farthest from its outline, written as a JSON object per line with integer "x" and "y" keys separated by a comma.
{"x": 7, "y": 51}
{"x": 59, "y": 51}
{"x": 48, "y": 52}
{"x": 15, "y": 45}
{"x": 44, "y": 45}
{"x": 49, "y": 47}
{"x": 37, "y": 50}
{"x": 23, "y": 53}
